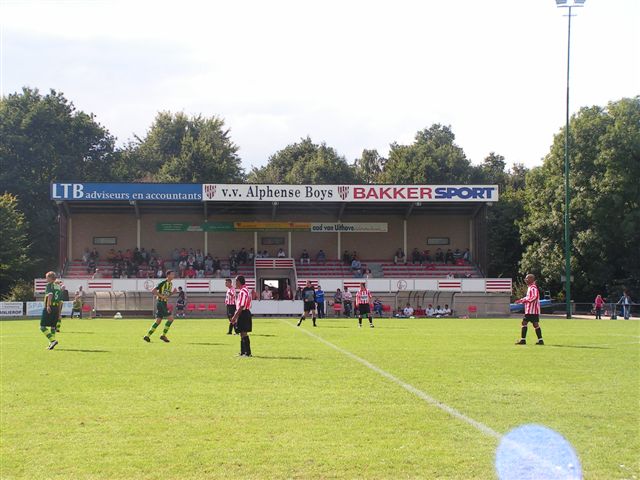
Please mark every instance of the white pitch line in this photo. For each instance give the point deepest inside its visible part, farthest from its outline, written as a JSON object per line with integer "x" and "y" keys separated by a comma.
{"x": 408, "y": 387}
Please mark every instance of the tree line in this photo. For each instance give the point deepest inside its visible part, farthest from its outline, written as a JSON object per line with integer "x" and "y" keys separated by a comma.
{"x": 44, "y": 139}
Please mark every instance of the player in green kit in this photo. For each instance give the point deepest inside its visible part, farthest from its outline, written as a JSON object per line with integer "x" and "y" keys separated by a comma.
{"x": 162, "y": 292}
{"x": 49, "y": 317}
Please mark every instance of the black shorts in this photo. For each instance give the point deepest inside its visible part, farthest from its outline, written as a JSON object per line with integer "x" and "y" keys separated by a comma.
{"x": 231, "y": 309}
{"x": 309, "y": 306}
{"x": 364, "y": 309}
{"x": 530, "y": 317}
{"x": 49, "y": 319}
{"x": 245, "y": 322}
{"x": 179, "y": 308}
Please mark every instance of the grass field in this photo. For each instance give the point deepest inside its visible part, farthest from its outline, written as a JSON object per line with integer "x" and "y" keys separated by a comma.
{"x": 104, "y": 404}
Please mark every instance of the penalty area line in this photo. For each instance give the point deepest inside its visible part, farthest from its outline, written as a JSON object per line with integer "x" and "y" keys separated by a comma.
{"x": 407, "y": 386}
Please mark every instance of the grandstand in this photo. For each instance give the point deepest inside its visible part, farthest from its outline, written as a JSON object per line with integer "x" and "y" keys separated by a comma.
{"x": 373, "y": 221}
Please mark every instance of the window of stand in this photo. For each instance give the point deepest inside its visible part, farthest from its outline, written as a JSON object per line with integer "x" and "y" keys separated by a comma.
{"x": 105, "y": 240}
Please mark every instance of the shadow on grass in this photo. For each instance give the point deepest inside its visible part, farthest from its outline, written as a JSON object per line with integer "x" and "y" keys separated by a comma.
{"x": 580, "y": 346}
{"x": 264, "y": 357}
{"x": 262, "y": 335}
{"x": 205, "y": 343}
{"x": 83, "y": 351}
{"x": 65, "y": 332}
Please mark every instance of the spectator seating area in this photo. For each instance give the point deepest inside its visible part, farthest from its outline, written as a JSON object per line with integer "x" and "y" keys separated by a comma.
{"x": 336, "y": 268}
{"x": 76, "y": 269}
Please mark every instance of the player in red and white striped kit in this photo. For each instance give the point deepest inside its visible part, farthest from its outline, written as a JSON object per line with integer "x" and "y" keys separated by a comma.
{"x": 363, "y": 304}
{"x": 531, "y": 310}
{"x": 230, "y": 302}
{"x": 242, "y": 318}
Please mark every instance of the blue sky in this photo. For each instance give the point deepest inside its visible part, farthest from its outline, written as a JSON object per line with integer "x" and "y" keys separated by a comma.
{"x": 354, "y": 74}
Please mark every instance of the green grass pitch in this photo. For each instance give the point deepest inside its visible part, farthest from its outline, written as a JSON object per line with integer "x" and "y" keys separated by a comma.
{"x": 106, "y": 405}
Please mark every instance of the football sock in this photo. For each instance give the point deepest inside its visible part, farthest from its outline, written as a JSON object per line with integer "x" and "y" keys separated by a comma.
{"x": 58, "y": 324}
{"x": 247, "y": 348}
{"x": 51, "y": 335}
{"x": 359, "y": 320}
{"x": 370, "y": 319}
{"x": 524, "y": 333}
{"x": 242, "y": 347}
{"x": 312, "y": 318}
{"x": 539, "y": 332}
{"x": 167, "y": 326}
{"x": 155, "y": 325}
{"x": 230, "y": 328}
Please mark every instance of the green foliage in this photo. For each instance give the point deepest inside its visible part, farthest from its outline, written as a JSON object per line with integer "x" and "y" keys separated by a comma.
{"x": 186, "y": 149}
{"x": 45, "y": 139}
{"x": 369, "y": 166}
{"x": 432, "y": 158}
{"x": 305, "y": 162}
{"x": 21, "y": 291}
{"x": 605, "y": 204}
{"x": 14, "y": 243}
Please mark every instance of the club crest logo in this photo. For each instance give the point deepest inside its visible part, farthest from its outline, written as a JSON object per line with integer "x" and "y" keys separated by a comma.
{"x": 209, "y": 191}
{"x": 343, "y": 191}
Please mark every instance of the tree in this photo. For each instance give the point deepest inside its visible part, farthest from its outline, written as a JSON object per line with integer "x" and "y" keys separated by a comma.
{"x": 44, "y": 140}
{"x": 369, "y": 166}
{"x": 14, "y": 244}
{"x": 186, "y": 149}
{"x": 305, "y": 163}
{"x": 432, "y": 158}
{"x": 505, "y": 249}
{"x": 605, "y": 205}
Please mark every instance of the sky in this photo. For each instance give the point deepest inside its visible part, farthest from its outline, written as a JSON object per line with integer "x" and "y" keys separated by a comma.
{"x": 354, "y": 74}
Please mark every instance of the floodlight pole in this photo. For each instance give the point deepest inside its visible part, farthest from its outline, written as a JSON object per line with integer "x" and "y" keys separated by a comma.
{"x": 567, "y": 190}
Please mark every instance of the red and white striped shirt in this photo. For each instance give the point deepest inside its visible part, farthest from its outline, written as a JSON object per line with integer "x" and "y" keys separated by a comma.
{"x": 363, "y": 297}
{"x": 243, "y": 299}
{"x": 532, "y": 300}
{"x": 230, "y": 297}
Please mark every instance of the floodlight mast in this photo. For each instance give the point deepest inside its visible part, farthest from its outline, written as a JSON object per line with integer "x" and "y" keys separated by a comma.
{"x": 567, "y": 192}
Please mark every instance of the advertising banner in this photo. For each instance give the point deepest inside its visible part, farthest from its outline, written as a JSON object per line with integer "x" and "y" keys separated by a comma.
{"x": 157, "y": 192}
{"x": 10, "y": 309}
{"x": 329, "y": 227}
{"x": 349, "y": 193}
{"x": 34, "y": 309}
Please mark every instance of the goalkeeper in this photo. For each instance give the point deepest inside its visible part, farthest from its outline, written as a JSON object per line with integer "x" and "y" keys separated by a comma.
{"x": 162, "y": 292}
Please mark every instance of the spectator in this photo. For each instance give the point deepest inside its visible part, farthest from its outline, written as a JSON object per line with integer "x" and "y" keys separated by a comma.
{"x": 183, "y": 254}
{"x": 266, "y": 293}
{"x": 127, "y": 255}
{"x": 399, "y": 258}
{"x": 356, "y": 267}
{"x": 76, "y": 307}
{"x": 448, "y": 258}
{"x": 598, "y": 304}
{"x": 251, "y": 256}
{"x": 175, "y": 256}
{"x": 408, "y": 311}
{"x": 347, "y": 302}
{"x": 288, "y": 294}
{"x": 153, "y": 262}
{"x": 446, "y": 311}
{"x": 299, "y": 293}
{"x": 377, "y": 306}
{"x": 96, "y": 274}
{"x": 85, "y": 256}
{"x": 64, "y": 292}
{"x": 438, "y": 312}
{"x": 430, "y": 311}
{"x": 145, "y": 256}
{"x": 160, "y": 273}
{"x": 320, "y": 301}
{"x": 281, "y": 253}
{"x": 367, "y": 273}
{"x": 233, "y": 265}
{"x": 208, "y": 265}
{"x": 625, "y": 301}
{"x": 200, "y": 256}
{"x": 266, "y": 254}
{"x": 416, "y": 257}
{"x": 427, "y": 256}
{"x": 217, "y": 267}
{"x": 305, "y": 257}
{"x": 182, "y": 266}
{"x": 242, "y": 256}
{"x": 91, "y": 266}
{"x": 190, "y": 272}
{"x": 466, "y": 256}
{"x": 111, "y": 256}
{"x": 337, "y": 297}
{"x": 321, "y": 257}
{"x": 94, "y": 254}
{"x": 439, "y": 256}
{"x": 346, "y": 258}
{"x": 450, "y": 275}
{"x": 117, "y": 271}
{"x": 457, "y": 254}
